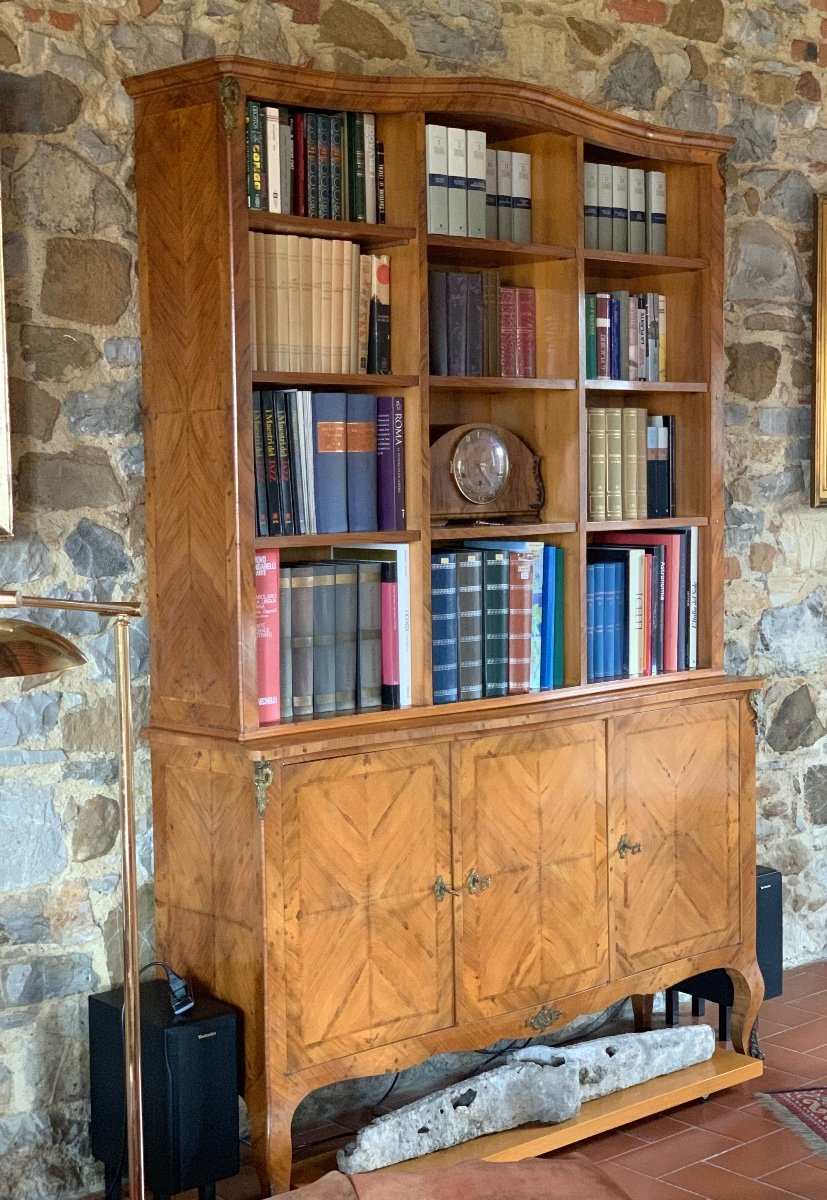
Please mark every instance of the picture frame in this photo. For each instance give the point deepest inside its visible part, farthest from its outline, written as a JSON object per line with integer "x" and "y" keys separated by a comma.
{"x": 818, "y": 491}
{"x": 5, "y": 438}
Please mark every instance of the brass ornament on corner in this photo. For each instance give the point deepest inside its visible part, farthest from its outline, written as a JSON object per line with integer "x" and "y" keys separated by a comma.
{"x": 229, "y": 89}
{"x": 263, "y": 777}
{"x": 544, "y": 1018}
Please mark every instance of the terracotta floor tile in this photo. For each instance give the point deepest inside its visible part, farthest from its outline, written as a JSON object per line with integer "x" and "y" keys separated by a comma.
{"x": 644, "y": 1187}
{"x": 814, "y": 968}
{"x": 803, "y": 1038}
{"x": 816, "y": 1161}
{"x": 806, "y": 1066}
{"x": 741, "y": 1124}
{"x": 718, "y": 1184}
{"x": 672, "y": 1153}
{"x": 813, "y": 1004}
{"x": 654, "y": 1129}
{"x": 609, "y": 1145}
{"x": 767, "y": 1026}
{"x": 786, "y": 1012}
{"x": 801, "y": 985}
{"x": 767, "y": 1154}
{"x": 801, "y": 1179}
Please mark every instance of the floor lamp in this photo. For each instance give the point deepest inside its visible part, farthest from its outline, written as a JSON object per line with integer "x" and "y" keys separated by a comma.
{"x": 28, "y": 649}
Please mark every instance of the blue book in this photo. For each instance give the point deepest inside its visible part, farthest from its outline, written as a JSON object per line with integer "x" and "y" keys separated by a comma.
{"x": 614, "y": 337}
{"x": 547, "y": 628}
{"x": 444, "y": 628}
{"x": 535, "y": 549}
{"x": 599, "y": 621}
{"x": 360, "y": 445}
{"x": 609, "y": 554}
{"x": 329, "y": 461}
{"x": 323, "y": 136}
{"x": 559, "y": 618}
{"x": 614, "y": 619}
{"x": 590, "y": 622}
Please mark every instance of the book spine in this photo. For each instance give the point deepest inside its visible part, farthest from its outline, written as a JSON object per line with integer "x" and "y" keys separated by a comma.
{"x": 436, "y": 167}
{"x": 271, "y": 462}
{"x": 329, "y": 461}
{"x": 521, "y": 197}
{"x": 537, "y": 568}
{"x": 256, "y": 268}
{"x": 285, "y": 643}
{"x": 495, "y": 622}
{"x": 491, "y": 194}
{"x": 277, "y": 247}
{"x": 642, "y": 474}
{"x": 474, "y": 325}
{"x": 360, "y": 443}
{"x": 326, "y": 312}
{"x": 381, "y": 201}
{"x": 365, "y": 272}
{"x": 324, "y": 638}
{"x": 444, "y": 628}
{"x": 259, "y": 469}
{"x": 559, "y": 618}
{"x": 547, "y": 625}
{"x": 614, "y": 465}
{"x": 267, "y": 637}
{"x": 655, "y": 212}
{"x": 526, "y": 342}
{"x": 596, "y": 439}
{"x": 505, "y": 222}
{"x": 285, "y": 488}
{"x": 297, "y": 479}
{"x": 273, "y": 158}
{"x": 602, "y": 334}
{"x": 519, "y": 622}
{"x": 661, "y": 338}
{"x": 469, "y": 624}
{"x": 323, "y": 138}
{"x": 629, "y": 463}
{"x": 256, "y": 171}
{"x": 652, "y": 471}
{"x": 337, "y": 292}
{"x": 604, "y": 206}
{"x": 622, "y": 298}
{"x": 457, "y": 183}
{"x": 337, "y": 211}
{"x": 357, "y": 178}
{"x": 370, "y": 167}
{"x": 301, "y": 640}
{"x": 671, "y": 474}
{"x": 300, "y": 166}
{"x": 614, "y": 337}
{"x": 457, "y": 335}
{"x": 369, "y": 636}
{"x": 590, "y": 626}
{"x": 591, "y": 335}
{"x": 346, "y": 582}
{"x": 389, "y": 594}
{"x": 311, "y": 149}
{"x": 637, "y": 211}
{"x": 379, "y": 339}
{"x": 294, "y": 302}
{"x": 599, "y": 621}
{"x": 652, "y": 364}
{"x": 304, "y": 404}
{"x": 286, "y": 139}
{"x": 631, "y": 325}
{"x": 590, "y": 206}
{"x": 475, "y": 157}
{"x": 508, "y": 331}
{"x": 620, "y": 208}
{"x": 438, "y": 322}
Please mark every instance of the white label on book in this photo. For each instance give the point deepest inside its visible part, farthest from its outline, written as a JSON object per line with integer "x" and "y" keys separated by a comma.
{"x": 272, "y": 156}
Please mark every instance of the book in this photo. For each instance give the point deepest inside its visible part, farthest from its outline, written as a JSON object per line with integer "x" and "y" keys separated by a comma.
{"x": 256, "y": 168}
{"x": 346, "y": 576}
{"x": 304, "y": 404}
{"x": 369, "y": 635}
{"x": 491, "y": 193}
{"x": 300, "y": 164}
{"x": 590, "y": 207}
{"x": 277, "y": 247}
{"x": 519, "y": 621}
{"x": 379, "y": 318}
{"x": 661, "y": 338}
{"x": 259, "y": 300}
{"x": 670, "y": 423}
{"x": 380, "y": 184}
{"x": 326, "y": 312}
{"x": 508, "y": 331}
{"x": 495, "y": 622}
{"x": 360, "y": 449}
{"x": 301, "y": 639}
{"x": 444, "y": 649}
{"x": 323, "y": 156}
{"x": 614, "y": 464}
{"x": 470, "y": 624}
{"x": 357, "y": 197}
{"x": 620, "y": 208}
{"x": 337, "y": 299}
{"x": 590, "y": 301}
{"x": 285, "y": 642}
{"x": 652, "y": 355}
{"x": 559, "y": 617}
{"x": 285, "y": 486}
{"x": 271, "y": 461}
{"x": 363, "y": 320}
{"x": 520, "y": 196}
{"x": 642, "y": 498}
{"x": 601, "y": 652}
{"x": 389, "y": 595}
{"x": 390, "y": 462}
{"x": 457, "y": 183}
{"x": 670, "y": 543}
{"x": 311, "y": 150}
{"x": 260, "y": 469}
{"x": 629, "y": 461}
{"x": 305, "y": 307}
{"x": 324, "y": 638}
{"x": 590, "y": 621}
{"x": 525, "y": 336}
{"x": 369, "y": 121}
{"x": 596, "y": 456}
{"x": 397, "y": 556}
{"x": 549, "y": 601}
{"x": 475, "y": 161}
{"x": 634, "y": 561}
{"x": 329, "y": 461}
{"x": 605, "y": 195}
{"x": 474, "y": 323}
{"x": 637, "y": 211}
{"x": 655, "y": 212}
{"x": 505, "y": 221}
{"x": 621, "y": 311}
{"x": 436, "y": 169}
{"x": 602, "y": 322}
{"x": 301, "y": 523}
{"x": 267, "y": 637}
{"x": 457, "y": 302}
{"x": 286, "y": 160}
{"x": 438, "y": 322}
{"x": 272, "y": 139}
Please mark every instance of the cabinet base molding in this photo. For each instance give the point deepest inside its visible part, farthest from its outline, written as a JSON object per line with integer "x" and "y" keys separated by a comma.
{"x": 725, "y": 1069}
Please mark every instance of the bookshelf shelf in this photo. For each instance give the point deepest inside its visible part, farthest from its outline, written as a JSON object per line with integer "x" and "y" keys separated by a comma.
{"x": 304, "y": 811}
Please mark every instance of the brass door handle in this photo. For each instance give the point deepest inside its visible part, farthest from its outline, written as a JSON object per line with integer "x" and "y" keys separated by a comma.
{"x": 624, "y": 846}
{"x": 441, "y": 889}
{"x": 477, "y": 883}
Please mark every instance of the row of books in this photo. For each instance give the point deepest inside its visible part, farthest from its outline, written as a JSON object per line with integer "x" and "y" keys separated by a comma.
{"x": 642, "y": 604}
{"x": 496, "y": 620}
{"x": 333, "y": 636}
{"x": 315, "y": 164}
{"x": 474, "y": 191}
{"x": 479, "y": 326}
{"x": 624, "y": 209}
{"x": 626, "y": 336}
{"x": 327, "y": 462}
{"x": 631, "y": 464}
{"x": 318, "y": 304}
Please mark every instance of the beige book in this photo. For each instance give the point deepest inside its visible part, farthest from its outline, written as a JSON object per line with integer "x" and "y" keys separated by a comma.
{"x": 269, "y": 243}
{"x": 365, "y": 272}
{"x": 661, "y": 339}
{"x": 252, "y": 254}
{"x": 355, "y": 269}
{"x": 316, "y": 287}
{"x": 642, "y": 498}
{"x": 306, "y": 304}
{"x": 614, "y": 465}
{"x": 293, "y": 304}
{"x": 629, "y": 463}
{"x": 282, "y": 305}
{"x": 347, "y": 306}
{"x": 337, "y": 293}
{"x": 327, "y": 295}
{"x": 596, "y": 440}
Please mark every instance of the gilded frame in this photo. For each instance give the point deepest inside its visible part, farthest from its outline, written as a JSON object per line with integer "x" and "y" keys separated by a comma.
{"x": 818, "y": 497}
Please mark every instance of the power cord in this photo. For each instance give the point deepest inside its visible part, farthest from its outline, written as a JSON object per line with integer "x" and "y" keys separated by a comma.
{"x": 180, "y": 993}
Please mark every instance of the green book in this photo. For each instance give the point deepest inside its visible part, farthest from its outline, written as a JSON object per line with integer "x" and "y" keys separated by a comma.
{"x": 591, "y": 335}
{"x": 495, "y": 622}
{"x": 256, "y": 173}
{"x": 559, "y": 623}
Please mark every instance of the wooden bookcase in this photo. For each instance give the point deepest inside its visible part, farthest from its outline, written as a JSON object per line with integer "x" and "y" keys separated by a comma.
{"x": 295, "y": 865}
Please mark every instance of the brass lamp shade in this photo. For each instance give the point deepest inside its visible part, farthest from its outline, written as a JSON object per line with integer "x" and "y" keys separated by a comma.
{"x": 27, "y": 649}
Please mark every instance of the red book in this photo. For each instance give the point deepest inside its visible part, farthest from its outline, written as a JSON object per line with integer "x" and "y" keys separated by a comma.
{"x": 390, "y": 636}
{"x": 299, "y": 164}
{"x": 520, "y": 566}
{"x": 603, "y": 335}
{"x": 508, "y": 331}
{"x": 267, "y": 637}
{"x": 649, "y": 563}
{"x": 526, "y": 342}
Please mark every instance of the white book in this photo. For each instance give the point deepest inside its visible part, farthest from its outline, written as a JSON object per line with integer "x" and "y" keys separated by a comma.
{"x": 457, "y": 183}
{"x": 353, "y": 367}
{"x": 590, "y": 205}
{"x": 491, "y": 193}
{"x": 604, "y": 206}
{"x": 305, "y": 410}
{"x": 655, "y": 212}
{"x": 436, "y": 167}
{"x": 476, "y": 159}
{"x": 505, "y": 226}
{"x": 316, "y": 301}
{"x": 399, "y": 553}
{"x": 306, "y": 303}
{"x": 337, "y": 299}
{"x": 661, "y": 338}
{"x": 282, "y": 304}
{"x": 252, "y": 262}
{"x": 272, "y": 158}
{"x": 637, "y": 210}
{"x": 636, "y": 587}
{"x": 347, "y": 306}
{"x": 521, "y": 196}
{"x": 620, "y": 208}
{"x": 370, "y": 167}
{"x": 294, "y": 337}
{"x": 262, "y": 301}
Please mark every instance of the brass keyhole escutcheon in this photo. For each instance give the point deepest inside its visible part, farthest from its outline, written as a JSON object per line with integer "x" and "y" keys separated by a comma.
{"x": 624, "y": 847}
{"x": 441, "y": 889}
{"x": 477, "y": 883}
{"x": 545, "y": 1017}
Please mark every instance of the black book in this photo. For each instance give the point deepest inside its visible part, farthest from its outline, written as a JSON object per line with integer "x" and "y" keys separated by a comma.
{"x": 438, "y": 322}
{"x": 379, "y": 317}
{"x": 457, "y": 304}
{"x": 380, "y": 183}
{"x": 285, "y": 488}
{"x": 323, "y": 139}
{"x": 311, "y": 166}
{"x": 324, "y": 638}
{"x": 271, "y": 461}
{"x": 474, "y": 324}
{"x": 262, "y": 519}
{"x": 672, "y": 511}
{"x": 469, "y": 624}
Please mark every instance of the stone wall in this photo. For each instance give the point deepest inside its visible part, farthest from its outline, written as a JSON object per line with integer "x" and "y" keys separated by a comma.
{"x": 750, "y": 68}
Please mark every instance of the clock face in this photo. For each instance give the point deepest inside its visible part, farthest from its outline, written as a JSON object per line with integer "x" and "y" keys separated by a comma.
{"x": 480, "y": 465}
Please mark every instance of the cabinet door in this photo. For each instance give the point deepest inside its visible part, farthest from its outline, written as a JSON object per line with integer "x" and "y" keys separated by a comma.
{"x": 368, "y": 948}
{"x": 533, "y": 822}
{"x": 674, "y": 790}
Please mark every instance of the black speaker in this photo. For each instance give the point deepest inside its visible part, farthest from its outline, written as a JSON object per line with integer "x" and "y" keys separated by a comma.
{"x": 189, "y": 1086}
{"x": 769, "y": 945}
